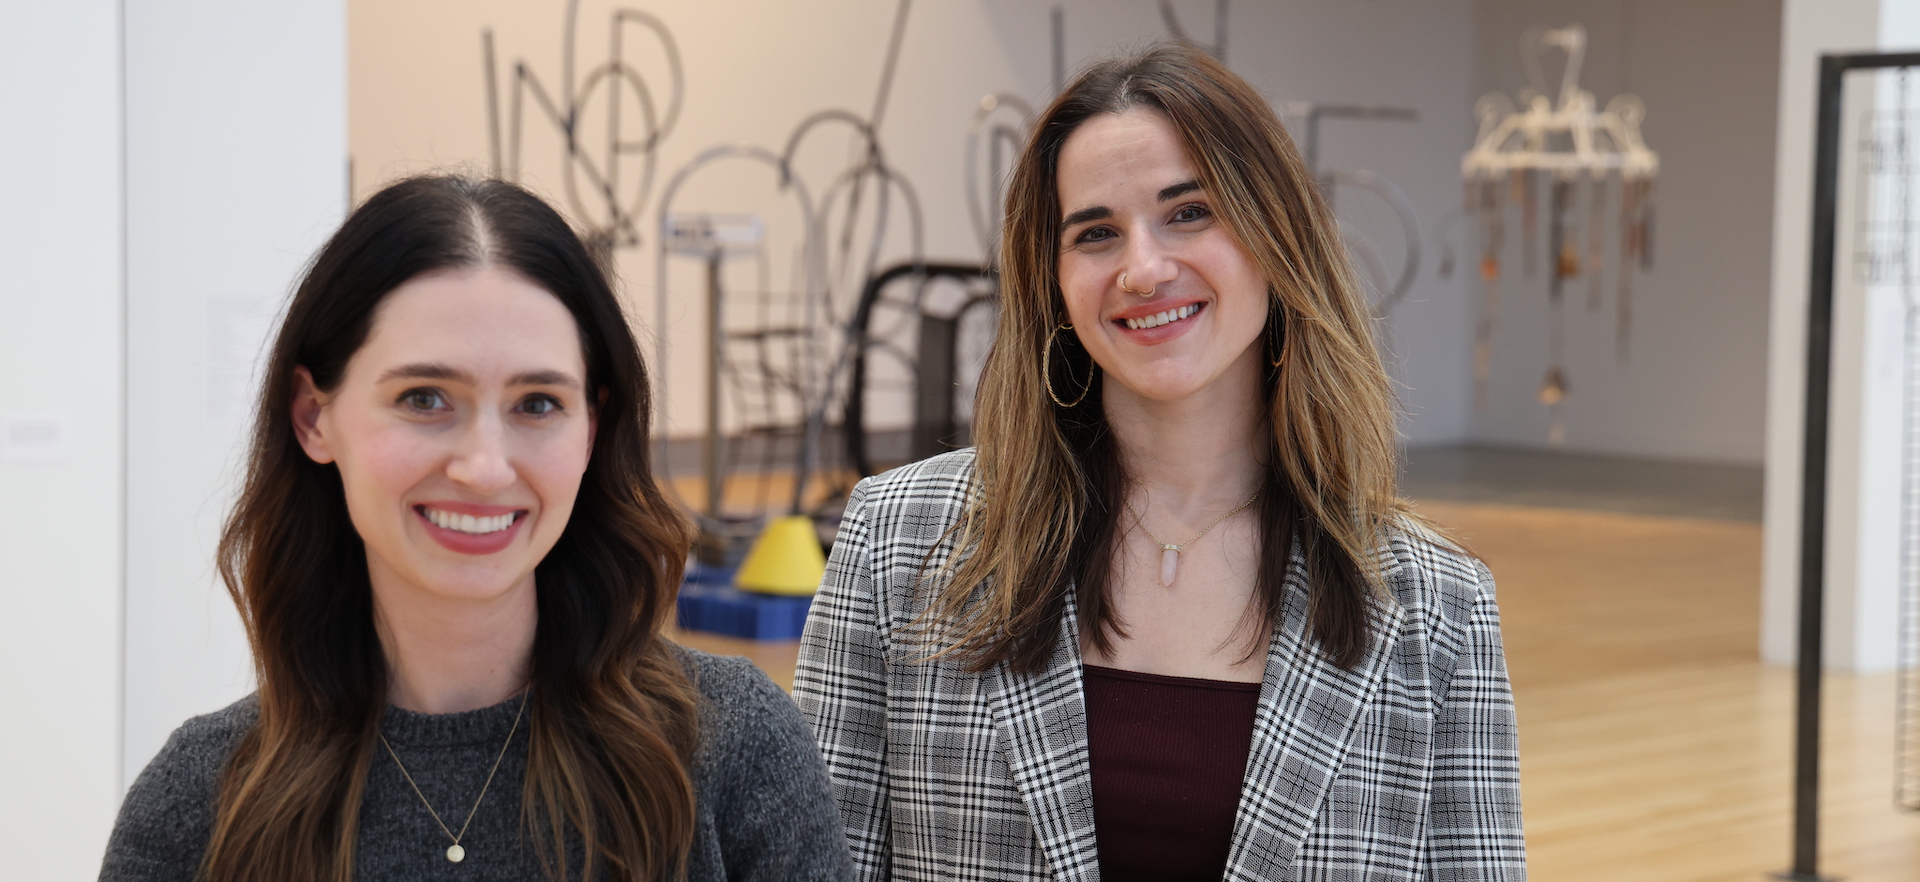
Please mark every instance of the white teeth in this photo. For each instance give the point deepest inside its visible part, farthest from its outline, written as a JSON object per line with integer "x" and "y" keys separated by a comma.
{"x": 465, "y": 523}
{"x": 1162, "y": 318}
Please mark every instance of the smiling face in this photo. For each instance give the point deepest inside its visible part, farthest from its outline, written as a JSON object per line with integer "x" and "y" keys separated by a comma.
{"x": 461, "y": 429}
{"x": 1133, "y": 205}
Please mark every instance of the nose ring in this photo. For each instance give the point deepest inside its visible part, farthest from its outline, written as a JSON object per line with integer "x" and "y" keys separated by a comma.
{"x": 1123, "y": 287}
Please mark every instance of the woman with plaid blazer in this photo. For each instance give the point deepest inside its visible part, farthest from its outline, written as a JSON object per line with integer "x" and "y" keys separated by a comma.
{"x": 1011, "y": 670}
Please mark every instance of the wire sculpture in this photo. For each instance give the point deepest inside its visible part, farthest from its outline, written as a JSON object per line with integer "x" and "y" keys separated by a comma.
{"x": 1219, "y": 48}
{"x": 1535, "y": 155}
{"x": 1387, "y": 287}
{"x": 1000, "y": 140}
{"x": 784, "y": 369}
{"x": 610, "y": 203}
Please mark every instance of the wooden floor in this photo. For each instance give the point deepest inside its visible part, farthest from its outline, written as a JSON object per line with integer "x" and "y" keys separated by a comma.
{"x": 1654, "y": 746}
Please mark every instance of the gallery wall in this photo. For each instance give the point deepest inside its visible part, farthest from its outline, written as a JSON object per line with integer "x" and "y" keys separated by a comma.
{"x": 60, "y": 436}
{"x": 235, "y": 138}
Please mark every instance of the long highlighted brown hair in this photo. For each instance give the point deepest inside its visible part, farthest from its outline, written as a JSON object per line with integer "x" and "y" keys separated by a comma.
{"x": 1050, "y": 483}
{"x": 613, "y": 714}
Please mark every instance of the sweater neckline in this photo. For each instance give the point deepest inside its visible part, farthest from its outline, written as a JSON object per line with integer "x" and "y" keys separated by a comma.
{"x": 487, "y": 724}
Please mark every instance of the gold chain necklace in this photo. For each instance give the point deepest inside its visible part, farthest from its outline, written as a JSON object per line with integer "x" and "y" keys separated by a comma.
{"x": 455, "y": 852}
{"x": 1169, "y": 552}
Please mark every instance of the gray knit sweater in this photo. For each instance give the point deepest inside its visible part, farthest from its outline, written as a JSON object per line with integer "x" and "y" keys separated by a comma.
{"x": 765, "y": 810}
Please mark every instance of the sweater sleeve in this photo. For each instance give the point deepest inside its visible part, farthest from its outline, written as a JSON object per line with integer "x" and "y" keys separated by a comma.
{"x": 772, "y": 804}
{"x": 166, "y": 817}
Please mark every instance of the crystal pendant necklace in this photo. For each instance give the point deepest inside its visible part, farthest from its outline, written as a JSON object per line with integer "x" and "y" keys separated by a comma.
{"x": 456, "y": 852}
{"x": 1169, "y": 552}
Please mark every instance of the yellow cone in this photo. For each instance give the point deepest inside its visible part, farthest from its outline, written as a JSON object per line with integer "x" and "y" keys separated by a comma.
{"x": 785, "y": 559}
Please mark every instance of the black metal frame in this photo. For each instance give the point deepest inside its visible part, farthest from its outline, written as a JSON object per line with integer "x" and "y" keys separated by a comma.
{"x": 1813, "y": 472}
{"x": 938, "y": 374}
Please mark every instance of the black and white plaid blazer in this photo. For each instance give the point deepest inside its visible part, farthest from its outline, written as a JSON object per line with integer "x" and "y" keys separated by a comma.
{"x": 1404, "y": 768}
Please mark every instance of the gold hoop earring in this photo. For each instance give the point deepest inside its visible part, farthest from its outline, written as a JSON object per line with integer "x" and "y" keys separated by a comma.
{"x": 1046, "y": 371}
{"x": 1123, "y": 287}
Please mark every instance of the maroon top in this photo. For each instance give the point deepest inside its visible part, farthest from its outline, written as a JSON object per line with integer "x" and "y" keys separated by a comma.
{"x": 1168, "y": 754}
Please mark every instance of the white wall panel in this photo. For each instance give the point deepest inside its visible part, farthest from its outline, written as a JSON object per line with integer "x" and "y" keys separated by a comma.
{"x": 236, "y": 172}
{"x": 60, "y": 430}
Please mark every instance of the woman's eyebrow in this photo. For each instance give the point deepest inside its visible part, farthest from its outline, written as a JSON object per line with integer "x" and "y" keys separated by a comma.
{"x": 1101, "y": 212}
{"x": 437, "y": 371}
{"x": 1098, "y": 212}
{"x": 544, "y": 378}
{"x": 425, "y": 370}
{"x": 1178, "y": 190}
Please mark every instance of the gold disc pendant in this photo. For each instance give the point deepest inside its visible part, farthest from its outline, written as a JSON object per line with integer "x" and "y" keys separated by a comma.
{"x": 455, "y": 853}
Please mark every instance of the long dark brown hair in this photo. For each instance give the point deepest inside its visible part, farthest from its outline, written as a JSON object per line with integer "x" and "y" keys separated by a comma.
{"x": 1050, "y": 482}
{"x": 613, "y": 714}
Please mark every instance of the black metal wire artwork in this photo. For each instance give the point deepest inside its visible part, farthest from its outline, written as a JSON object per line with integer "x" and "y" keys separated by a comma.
{"x": 1387, "y": 287}
{"x": 1179, "y": 31}
{"x": 994, "y": 140}
{"x": 609, "y": 204}
{"x": 786, "y": 367}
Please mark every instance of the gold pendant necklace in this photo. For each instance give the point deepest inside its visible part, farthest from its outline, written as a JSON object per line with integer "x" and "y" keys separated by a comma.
{"x": 455, "y": 852}
{"x": 1169, "y": 552}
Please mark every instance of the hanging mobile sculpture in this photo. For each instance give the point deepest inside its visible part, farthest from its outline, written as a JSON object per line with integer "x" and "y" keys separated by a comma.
{"x": 1541, "y": 149}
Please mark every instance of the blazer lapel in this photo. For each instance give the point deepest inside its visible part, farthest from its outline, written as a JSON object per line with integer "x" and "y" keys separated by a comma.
{"x": 1042, "y": 721}
{"x": 1308, "y": 707}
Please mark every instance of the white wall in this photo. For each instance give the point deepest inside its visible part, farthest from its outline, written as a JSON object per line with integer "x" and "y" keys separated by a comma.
{"x": 755, "y": 68}
{"x": 1693, "y": 385}
{"x": 236, "y": 172}
{"x": 60, "y": 363}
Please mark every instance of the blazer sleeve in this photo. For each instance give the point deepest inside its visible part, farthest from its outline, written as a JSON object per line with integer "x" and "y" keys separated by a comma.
{"x": 1474, "y": 832}
{"x": 841, "y": 687}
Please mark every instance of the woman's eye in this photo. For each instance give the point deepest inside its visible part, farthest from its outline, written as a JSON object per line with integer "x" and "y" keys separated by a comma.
{"x": 1092, "y": 235}
{"x": 539, "y": 405}
{"x": 1190, "y": 213}
{"x": 422, "y": 399}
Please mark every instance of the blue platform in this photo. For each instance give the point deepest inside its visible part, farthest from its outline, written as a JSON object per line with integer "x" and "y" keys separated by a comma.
{"x": 710, "y": 603}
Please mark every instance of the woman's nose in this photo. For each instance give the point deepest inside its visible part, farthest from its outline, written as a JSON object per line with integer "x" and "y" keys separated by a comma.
{"x": 480, "y": 461}
{"x": 1149, "y": 263}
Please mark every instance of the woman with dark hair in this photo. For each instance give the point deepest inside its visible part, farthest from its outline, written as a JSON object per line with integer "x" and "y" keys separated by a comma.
{"x": 1168, "y": 620}
{"x": 453, "y": 565}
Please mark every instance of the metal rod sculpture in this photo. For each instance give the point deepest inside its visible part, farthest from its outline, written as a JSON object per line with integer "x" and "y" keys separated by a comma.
{"x": 1000, "y": 140}
{"x": 1389, "y": 288}
{"x": 1219, "y": 48}
{"x": 610, "y": 203}
{"x": 844, "y": 233}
